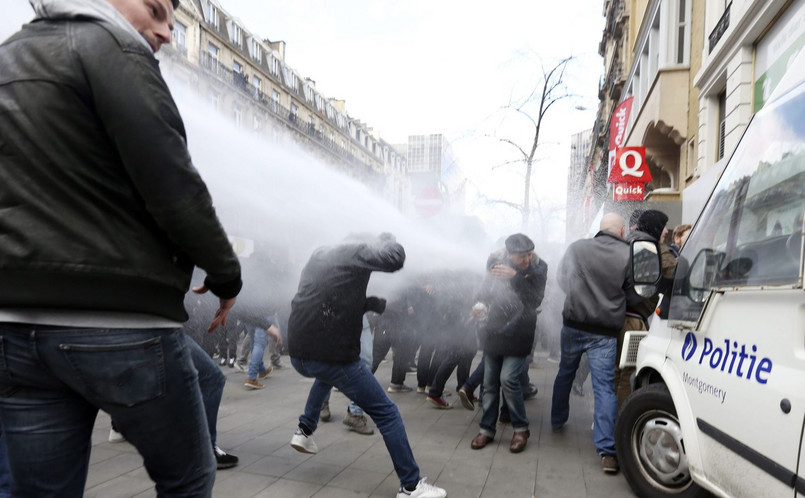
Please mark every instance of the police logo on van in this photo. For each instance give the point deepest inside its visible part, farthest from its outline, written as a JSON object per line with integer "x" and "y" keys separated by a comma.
{"x": 740, "y": 360}
{"x": 689, "y": 346}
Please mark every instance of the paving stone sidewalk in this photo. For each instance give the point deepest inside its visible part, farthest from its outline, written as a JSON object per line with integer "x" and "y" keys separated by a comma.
{"x": 257, "y": 427}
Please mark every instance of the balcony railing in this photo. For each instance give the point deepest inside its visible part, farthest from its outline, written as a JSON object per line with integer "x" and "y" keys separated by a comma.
{"x": 284, "y": 114}
{"x": 721, "y": 28}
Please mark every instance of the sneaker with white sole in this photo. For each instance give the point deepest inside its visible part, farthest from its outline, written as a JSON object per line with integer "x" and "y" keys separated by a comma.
{"x": 252, "y": 385}
{"x": 422, "y": 490}
{"x": 242, "y": 367}
{"x": 303, "y": 444}
{"x": 357, "y": 423}
{"x": 224, "y": 460}
{"x": 609, "y": 464}
{"x": 115, "y": 437}
{"x": 399, "y": 388}
{"x": 439, "y": 402}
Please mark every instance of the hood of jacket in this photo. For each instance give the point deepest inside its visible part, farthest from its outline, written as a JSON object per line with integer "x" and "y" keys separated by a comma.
{"x": 101, "y": 10}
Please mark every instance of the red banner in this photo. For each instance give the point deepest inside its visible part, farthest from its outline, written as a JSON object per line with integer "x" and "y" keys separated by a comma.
{"x": 617, "y": 125}
{"x": 617, "y": 129}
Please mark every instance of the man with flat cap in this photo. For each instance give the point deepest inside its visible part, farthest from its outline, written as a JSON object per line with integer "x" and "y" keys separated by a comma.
{"x": 506, "y": 306}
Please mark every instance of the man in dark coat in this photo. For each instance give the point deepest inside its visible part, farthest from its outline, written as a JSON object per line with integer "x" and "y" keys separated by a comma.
{"x": 324, "y": 341}
{"x": 509, "y": 297}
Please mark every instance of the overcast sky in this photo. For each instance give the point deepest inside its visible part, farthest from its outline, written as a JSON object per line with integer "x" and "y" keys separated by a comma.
{"x": 440, "y": 66}
{"x": 447, "y": 66}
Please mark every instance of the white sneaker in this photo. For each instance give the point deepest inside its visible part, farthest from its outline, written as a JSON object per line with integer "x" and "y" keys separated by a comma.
{"x": 115, "y": 437}
{"x": 422, "y": 490}
{"x": 303, "y": 444}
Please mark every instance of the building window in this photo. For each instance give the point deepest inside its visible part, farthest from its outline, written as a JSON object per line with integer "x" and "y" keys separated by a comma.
{"x": 722, "y": 124}
{"x": 180, "y": 37}
{"x": 294, "y": 113}
{"x": 215, "y": 99}
{"x": 257, "y": 86}
{"x": 237, "y": 112}
{"x": 275, "y": 100}
{"x": 257, "y": 50}
{"x": 237, "y": 67}
{"x": 682, "y": 32}
{"x": 212, "y": 15}
{"x": 257, "y": 123}
{"x": 275, "y": 66}
{"x": 213, "y": 51}
{"x": 237, "y": 36}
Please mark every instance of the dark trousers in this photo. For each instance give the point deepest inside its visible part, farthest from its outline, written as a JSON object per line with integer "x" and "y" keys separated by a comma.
{"x": 460, "y": 360}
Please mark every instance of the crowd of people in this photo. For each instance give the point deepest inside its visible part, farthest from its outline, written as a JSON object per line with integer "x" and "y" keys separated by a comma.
{"x": 104, "y": 219}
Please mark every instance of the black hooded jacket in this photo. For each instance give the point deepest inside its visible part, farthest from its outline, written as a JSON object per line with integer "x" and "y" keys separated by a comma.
{"x": 327, "y": 312}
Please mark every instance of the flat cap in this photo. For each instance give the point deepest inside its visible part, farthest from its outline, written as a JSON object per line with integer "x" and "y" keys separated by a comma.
{"x": 519, "y": 243}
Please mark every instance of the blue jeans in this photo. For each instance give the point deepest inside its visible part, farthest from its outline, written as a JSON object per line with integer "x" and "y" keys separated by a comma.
{"x": 53, "y": 380}
{"x": 600, "y": 351}
{"x": 5, "y": 472}
{"x": 366, "y": 358}
{"x": 256, "y": 365}
{"x": 357, "y": 383}
{"x": 211, "y": 381}
{"x": 503, "y": 372}
{"x": 476, "y": 378}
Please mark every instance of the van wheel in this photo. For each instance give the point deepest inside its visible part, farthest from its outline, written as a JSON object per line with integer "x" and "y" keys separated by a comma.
{"x": 650, "y": 446}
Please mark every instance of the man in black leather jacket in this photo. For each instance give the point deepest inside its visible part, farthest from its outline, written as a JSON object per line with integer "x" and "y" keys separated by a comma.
{"x": 102, "y": 220}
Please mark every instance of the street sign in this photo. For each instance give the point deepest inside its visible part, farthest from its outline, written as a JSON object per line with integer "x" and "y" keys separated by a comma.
{"x": 429, "y": 202}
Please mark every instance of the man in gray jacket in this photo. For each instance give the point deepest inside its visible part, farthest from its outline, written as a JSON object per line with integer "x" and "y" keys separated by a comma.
{"x": 102, "y": 220}
{"x": 594, "y": 274}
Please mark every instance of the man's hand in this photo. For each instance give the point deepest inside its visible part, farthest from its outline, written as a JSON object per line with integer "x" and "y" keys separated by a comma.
{"x": 223, "y": 309}
{"x": 274, "y": 332}
{"x": 503, "y": 272}
{"x": 479, "y": 311}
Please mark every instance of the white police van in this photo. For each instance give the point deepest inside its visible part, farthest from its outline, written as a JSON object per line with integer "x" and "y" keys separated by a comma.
{"x": 719, "y": 400}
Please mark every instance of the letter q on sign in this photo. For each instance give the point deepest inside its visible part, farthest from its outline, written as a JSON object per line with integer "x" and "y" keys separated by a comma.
{"x": 631, "y": 166}
{"x": 637, "y": 162}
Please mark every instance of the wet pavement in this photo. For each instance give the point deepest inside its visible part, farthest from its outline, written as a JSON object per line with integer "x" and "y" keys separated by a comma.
{"x": 257, "y": 427}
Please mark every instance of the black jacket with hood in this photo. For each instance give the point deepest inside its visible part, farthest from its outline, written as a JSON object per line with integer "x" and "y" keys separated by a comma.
{"x": 100, "y": 205}
{"x": 327, "y": 311}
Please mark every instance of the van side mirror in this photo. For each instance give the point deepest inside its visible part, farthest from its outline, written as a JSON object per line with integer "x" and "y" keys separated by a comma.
{"x": 704, "y": 271}
{"x": 646, "y": 267}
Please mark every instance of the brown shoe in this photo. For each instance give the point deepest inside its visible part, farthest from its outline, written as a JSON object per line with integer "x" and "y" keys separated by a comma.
{"x": 480, "y": 441}
{"x": 266, "y": 373}
{"x": 519, "y": 441}
{"x": 252, "y": 384}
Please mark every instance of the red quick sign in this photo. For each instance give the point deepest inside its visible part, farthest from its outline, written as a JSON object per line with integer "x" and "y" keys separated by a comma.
{"x": 630, "y": 174}
{"x": 630, "y": 166}
{"x": 629, "y": 192}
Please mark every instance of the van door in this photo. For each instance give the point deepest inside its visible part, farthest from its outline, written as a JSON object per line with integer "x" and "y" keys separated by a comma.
{"x": 739, "y": 304}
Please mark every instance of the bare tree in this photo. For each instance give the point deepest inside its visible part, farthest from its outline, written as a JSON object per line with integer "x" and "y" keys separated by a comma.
{"x": 550, "y": 90}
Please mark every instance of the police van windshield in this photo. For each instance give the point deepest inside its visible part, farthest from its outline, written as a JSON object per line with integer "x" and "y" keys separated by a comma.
{"x": 750, "y": 232}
